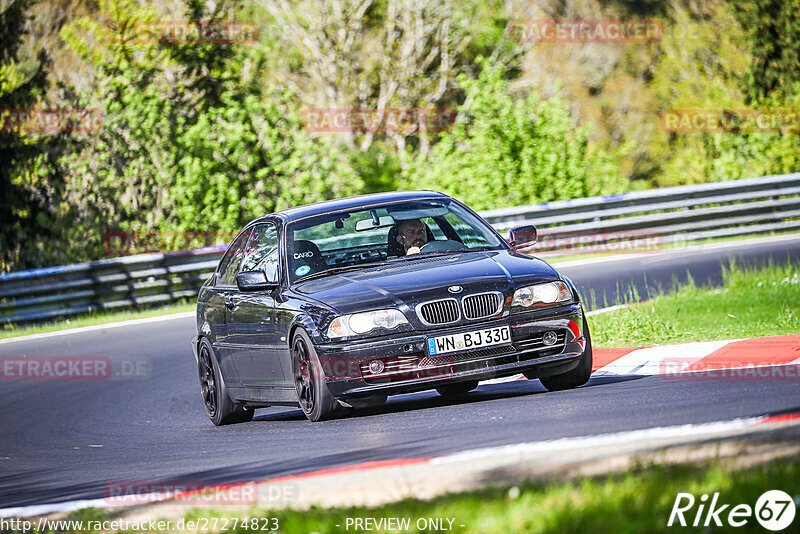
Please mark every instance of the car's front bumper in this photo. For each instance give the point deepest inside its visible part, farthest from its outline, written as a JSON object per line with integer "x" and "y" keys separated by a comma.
{"x": 409, "y": 368}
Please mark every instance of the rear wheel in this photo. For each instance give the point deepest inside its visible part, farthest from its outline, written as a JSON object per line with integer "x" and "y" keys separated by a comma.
{"x": 313, "y": 396}
{"x": 578, "y": 376}
{"x": 457, "y": 389}
{"x": 219, "y": 406}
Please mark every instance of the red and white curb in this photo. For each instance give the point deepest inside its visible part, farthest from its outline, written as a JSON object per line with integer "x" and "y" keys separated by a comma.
{"x": 700, "y": 356}
{"x": 749, "y": 357}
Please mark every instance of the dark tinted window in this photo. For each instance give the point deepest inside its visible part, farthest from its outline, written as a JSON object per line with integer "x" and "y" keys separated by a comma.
{"x": 370, "y": 235}
{"x": 230, "y": 263}
{"x": 262, "y": 251}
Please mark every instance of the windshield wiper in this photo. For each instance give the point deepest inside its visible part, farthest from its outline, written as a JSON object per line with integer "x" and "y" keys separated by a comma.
{"x": 339, "y": 270}
{"x": 442, "y": 253}
{"x": 419, "y": 255}
{"x": 347, "y": 268}
{"x": 478, "y": 249}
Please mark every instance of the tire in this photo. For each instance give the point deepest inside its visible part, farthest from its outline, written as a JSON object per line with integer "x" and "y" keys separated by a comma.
{"x": 313, "y": 395}
{"x": 220, "y": 408}
{"x": 458, "y": 389}
{"x": 578, "y": 376}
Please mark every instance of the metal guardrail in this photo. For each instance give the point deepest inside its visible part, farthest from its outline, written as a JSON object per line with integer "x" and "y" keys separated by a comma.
{"x": 119, "y": 283}
{"x": 721, "y": 209}
{"x": 667, "y": 215}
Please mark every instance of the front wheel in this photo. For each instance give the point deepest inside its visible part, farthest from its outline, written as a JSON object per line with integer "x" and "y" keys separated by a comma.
{"x": 219, "y": 406}
{"x": 578, "y": 376}
{"x": 313, "y": 396}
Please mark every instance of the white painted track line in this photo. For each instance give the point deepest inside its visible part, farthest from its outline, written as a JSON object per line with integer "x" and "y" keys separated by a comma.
{"x": 92, "y": 328}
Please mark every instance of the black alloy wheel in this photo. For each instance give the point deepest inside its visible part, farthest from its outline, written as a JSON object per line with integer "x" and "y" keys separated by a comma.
{"x": 303, "y": 383}
{"x": 313, "y": 395}
{"x": 221, "y": 409}
{"x": 207, "y": 381}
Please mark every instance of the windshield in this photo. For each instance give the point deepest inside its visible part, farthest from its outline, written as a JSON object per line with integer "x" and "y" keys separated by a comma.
{"x": 393, "y": 232}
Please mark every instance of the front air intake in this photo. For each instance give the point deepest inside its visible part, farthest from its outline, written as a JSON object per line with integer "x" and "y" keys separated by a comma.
{"x": 482, "y": 305}
{"x": 437, "y": 312}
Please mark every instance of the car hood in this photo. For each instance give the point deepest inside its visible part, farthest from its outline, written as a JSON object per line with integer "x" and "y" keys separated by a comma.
{"x": 413, "y": 281}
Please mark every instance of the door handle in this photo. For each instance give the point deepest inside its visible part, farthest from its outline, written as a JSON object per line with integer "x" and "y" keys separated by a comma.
{"x": 230, "y": 304}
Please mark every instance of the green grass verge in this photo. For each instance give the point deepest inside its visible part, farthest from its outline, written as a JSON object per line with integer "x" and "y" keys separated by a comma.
{"x": 752, "y": 303}
{"x": 95, "y": 319}
{"x": 639, "y": 500}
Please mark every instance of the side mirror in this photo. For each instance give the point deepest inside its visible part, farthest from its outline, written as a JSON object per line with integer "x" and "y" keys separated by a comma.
{"x": 523, "y": 237}
{"x": 254, "y": 281}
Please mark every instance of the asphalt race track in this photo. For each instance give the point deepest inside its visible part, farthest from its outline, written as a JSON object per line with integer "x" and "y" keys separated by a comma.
{"x": 65, "y": 440}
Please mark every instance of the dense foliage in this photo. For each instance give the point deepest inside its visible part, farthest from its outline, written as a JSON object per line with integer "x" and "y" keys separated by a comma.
{"x": 512, "y": 152}
{"x": 24, "y": 198}
{"x": 204, "y": 136}
{"x": 190, "y": 142}
{"x": 772, "y": 29}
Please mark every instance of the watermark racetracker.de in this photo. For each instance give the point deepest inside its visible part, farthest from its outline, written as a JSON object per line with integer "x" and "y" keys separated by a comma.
{"x": 191, "y": 493}
{"x": 73, "y": 368}
{"x": 688, "y": 369}
{"x": 581, "y": 242}
{"x": 50, "y": 121}
{"x": 585, "y": 31}
{"x": 363, "y": 120}
{"x": 182, "y": 32}
{"x": 197, "y": 493}
{"x": 214, "y": 523}
{"x": 731, "y": 120}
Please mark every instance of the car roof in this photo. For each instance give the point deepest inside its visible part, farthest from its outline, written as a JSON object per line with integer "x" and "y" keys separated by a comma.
{"x": 362, "y": 201}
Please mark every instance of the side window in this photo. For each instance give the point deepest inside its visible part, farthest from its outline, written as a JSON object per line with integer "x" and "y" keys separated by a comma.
{"x": 230, "y": 263}
{"x": 262, "y": 251}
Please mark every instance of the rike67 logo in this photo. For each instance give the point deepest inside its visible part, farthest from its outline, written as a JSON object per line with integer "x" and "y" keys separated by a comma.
{"x": 774, "y": 510}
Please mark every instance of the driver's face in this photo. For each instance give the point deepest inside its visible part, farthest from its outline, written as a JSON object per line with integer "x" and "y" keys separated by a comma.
{"x": 412, "y": 234}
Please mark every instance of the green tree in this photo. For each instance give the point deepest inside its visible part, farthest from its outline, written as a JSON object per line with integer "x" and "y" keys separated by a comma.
{"x": 772, "y": 29}
{"x": 191, "y": 140}
{"x": 24, "y": 206}
{"x": 701, "y": 64}
{"x": 507, "y": 152}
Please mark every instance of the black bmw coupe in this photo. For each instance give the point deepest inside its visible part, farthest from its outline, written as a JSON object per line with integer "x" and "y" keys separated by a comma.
{"x": 339, "y": 304}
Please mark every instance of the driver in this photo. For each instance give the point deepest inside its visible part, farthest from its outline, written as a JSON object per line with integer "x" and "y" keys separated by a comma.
{"x": 412, "y": 234}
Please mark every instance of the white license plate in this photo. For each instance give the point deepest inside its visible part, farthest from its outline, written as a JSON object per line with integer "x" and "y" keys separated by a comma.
{"x": 500, "y": 335}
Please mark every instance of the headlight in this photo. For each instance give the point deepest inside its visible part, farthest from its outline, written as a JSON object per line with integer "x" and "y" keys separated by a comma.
{"x": 361, "y": 323}
{"x": 542, "y": 295}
